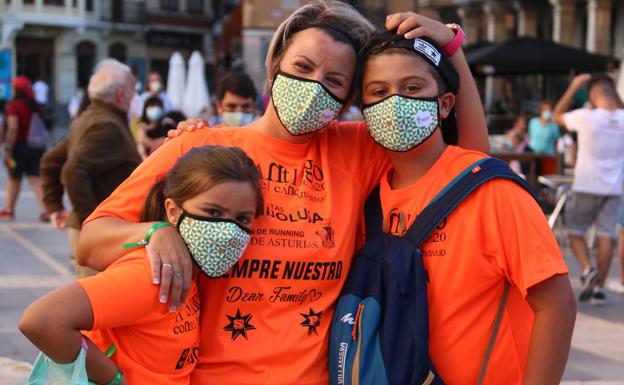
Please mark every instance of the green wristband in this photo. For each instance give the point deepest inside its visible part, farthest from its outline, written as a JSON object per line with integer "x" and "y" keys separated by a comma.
{"x": 148, "y": 235}
{"x": 117, "y": 379}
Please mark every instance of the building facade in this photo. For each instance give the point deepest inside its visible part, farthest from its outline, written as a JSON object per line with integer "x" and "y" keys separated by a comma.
{"x": 60, "y": 41}
{"x": 594, "y": 25}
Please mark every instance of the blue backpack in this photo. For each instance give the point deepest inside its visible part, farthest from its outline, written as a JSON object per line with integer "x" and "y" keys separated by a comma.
{"x": 380, "y": 330}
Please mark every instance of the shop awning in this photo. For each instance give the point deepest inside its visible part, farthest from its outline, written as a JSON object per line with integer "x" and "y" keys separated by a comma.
{"x": 525, "y": 55}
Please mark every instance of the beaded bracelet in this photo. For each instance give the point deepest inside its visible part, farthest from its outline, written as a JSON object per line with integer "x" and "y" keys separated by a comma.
{"x": 117, "y": 379}
{"x": 148, "y": 235}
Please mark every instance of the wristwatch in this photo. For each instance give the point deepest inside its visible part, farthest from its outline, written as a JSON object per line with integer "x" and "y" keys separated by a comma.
{"x": 452, "y": 46}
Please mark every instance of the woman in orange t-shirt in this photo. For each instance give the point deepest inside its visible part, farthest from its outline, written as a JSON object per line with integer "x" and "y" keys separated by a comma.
{"x": 269, "y": 315}
{"x": 212, "y": 196}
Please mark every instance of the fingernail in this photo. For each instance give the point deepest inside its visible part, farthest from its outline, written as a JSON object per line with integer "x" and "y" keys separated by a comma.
{"x": 156, "y": 281}
{"x": 172, "y": 309}
{"x": 163, "y": 298}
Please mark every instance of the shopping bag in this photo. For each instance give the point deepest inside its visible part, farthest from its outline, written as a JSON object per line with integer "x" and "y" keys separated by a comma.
{"x": 47, "y": 372}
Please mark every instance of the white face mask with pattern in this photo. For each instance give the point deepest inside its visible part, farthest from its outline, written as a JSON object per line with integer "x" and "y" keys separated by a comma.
{"x": 400, "y": 123}
{"x": 215, "y": 244}
{"x": 303, "y": 105}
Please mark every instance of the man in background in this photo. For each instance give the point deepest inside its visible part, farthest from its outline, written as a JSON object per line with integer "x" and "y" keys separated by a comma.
{"x": 96, "y": 156}
{"x": 597, "y": 186}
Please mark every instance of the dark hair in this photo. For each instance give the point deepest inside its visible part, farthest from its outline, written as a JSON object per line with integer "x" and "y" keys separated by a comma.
{"x": 168, "y": 122}
{"x": 384, "y": 42}
{"x": 604, "y": 83}
{"x": 149, "y": 102}
{"x": 197, "y": 171}
{"x": 238, "y": 83}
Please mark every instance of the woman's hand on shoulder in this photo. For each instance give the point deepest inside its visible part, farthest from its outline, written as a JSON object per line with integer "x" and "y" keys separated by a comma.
{"x": 412, "y": 25}
{"x": 189, "y": 125}
{"x": 171, "y": 266}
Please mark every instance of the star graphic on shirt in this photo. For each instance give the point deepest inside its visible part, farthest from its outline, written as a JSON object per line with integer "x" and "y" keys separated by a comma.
{"x": 312, "y": 320}
{"x": 239, "y": 324}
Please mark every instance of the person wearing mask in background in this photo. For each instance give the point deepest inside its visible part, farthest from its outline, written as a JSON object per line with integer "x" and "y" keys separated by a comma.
{"x": 95, "y": 157}
{"x": 153, "y": 111}
{"x": 236, "y": 100}
{"x": 597, "y": 186}
{"x": 543, "y": 132}
{"x": 155, "y": 88}
{"x": 155, "y": 137}
{"x": 21, "y": 158}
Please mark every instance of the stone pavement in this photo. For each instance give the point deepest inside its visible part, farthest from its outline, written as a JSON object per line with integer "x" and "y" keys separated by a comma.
{"x": 34, "y": 261}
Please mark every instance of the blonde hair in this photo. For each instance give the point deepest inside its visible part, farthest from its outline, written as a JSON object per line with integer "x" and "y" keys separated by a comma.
{"x": 338, "y": 14}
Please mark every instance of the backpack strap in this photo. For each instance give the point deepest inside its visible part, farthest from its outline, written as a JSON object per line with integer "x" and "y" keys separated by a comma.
{"x": 454, "y": 193}
{"x": 448, "y": 199}
{"x": 373, "y": 214}
{"x": 497, "y": 322}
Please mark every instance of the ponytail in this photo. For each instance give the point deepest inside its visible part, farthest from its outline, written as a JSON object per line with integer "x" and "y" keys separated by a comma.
{"x": 154, "y": 209}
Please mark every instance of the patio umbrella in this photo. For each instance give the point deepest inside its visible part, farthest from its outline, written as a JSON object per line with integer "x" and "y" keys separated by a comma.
{"x": 196, "y": 91}
{"x": 525, "y": 55}
{"x": 176, "y": 80}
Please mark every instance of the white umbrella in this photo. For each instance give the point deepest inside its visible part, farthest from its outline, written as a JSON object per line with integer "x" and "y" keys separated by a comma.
{"x": 176, "y": 80}
{"x": 196, "y": 92}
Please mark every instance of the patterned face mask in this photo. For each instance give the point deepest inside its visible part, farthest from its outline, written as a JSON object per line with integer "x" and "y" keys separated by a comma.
{"x": 215, "y": 244}
{"x": 400, "y": 123}
{"x": 303, "y": 106}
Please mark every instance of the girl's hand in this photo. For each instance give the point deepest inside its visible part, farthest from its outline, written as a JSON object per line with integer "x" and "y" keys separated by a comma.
{"x": 412, "y": 25}
{"x": 189, "y": 125}
{"x": 171, "y": 266}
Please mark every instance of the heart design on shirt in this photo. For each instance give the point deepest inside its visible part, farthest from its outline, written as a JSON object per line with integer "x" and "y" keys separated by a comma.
{"x": 314, "y": 295}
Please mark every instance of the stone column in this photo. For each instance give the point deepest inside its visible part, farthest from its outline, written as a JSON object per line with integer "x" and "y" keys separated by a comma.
{"x": 82, "y": 8}
{"x": 39, "y": 6}
{"x": 527, "y": 18}
{"x": 16, "y": 5}
{"x": 563, "y": 21}
{"x": 599, "y": 25}
{"x": 471, "y": 21}
{"x": 495, "y": 19}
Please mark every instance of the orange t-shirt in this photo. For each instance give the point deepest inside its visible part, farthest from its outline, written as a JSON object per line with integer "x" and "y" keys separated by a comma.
{"x": 497, "y": 233}
{"x": 267, "y": 322}
{"x": 154, "y": 346}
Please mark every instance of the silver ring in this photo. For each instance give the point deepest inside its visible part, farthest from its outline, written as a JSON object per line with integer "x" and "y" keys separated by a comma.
{"x": 177, "y": 274}
{"x": 167, "y": 265}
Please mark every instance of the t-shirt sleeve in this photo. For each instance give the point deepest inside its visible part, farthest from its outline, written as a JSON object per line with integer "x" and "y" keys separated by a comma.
{"x": 517, "y": 238}
{"x": 575, "y": 120}
{"x": 12, "y": 109}
{"x": 128, "y": 199}
{"x": 123, "y": 294}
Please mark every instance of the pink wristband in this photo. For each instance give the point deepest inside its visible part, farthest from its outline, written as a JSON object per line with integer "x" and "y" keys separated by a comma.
{"x": 457, "y": 40}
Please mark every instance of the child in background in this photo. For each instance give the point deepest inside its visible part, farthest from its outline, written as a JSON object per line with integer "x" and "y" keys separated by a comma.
{"x": 212, "y": 195}
{"x": 498, "y": 233}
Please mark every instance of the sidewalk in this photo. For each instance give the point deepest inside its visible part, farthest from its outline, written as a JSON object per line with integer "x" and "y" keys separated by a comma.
{"x": 34, "y": 260}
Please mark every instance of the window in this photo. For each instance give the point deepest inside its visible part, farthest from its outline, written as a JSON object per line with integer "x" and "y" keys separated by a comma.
{"x": 169, "y": 5}
{"x": 195, "y": 6}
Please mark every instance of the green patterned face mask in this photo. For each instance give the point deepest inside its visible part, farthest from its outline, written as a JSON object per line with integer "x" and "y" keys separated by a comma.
{"x": 215, "y": 244}
{"x": 303, "y": 105}
{"x": 400, "y": 123}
